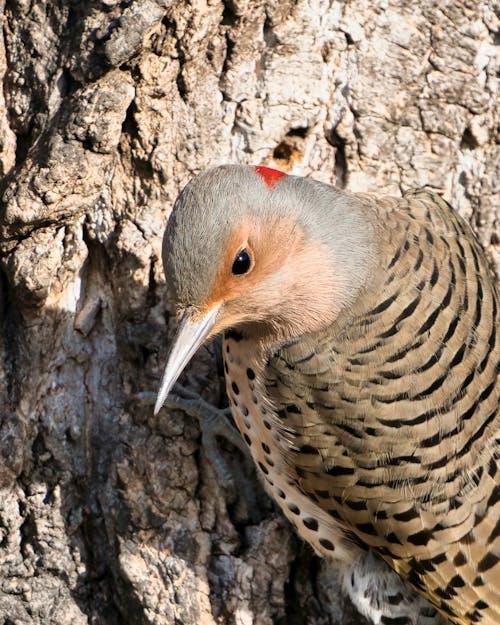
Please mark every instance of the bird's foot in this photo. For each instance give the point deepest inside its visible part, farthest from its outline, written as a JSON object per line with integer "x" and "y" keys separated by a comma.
{"x": 383, "y": 597}
{"x": 214, "y": 422}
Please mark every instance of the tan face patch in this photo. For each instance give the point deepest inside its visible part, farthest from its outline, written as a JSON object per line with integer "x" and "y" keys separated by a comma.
{"x": 289, "y": 281}
{"x": 268, "y": 245}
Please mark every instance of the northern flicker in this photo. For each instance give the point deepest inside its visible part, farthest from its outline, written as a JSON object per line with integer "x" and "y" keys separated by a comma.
{"x": 361, "y": 353}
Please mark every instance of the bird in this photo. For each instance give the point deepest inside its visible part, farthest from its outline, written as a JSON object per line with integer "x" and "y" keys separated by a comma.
{"x": 361, "y": 347}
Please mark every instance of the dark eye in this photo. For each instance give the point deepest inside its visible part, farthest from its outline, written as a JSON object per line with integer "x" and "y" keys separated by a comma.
{"x": 241, "y": 263}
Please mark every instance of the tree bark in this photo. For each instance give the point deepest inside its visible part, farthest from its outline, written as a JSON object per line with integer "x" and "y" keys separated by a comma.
{"x": 107, "y": 514}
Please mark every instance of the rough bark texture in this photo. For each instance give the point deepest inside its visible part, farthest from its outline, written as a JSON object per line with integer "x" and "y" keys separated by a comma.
{"x": 107, "y": 514}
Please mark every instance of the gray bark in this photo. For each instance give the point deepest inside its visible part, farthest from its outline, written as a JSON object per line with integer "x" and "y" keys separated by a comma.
{"x": 108, "y": 514}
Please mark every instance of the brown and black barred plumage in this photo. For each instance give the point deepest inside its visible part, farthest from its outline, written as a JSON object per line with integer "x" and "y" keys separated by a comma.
{"x": 377, "y": 428}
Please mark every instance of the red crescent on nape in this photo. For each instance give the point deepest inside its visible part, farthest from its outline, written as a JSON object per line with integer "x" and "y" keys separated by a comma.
{"x": 269, "y": 176}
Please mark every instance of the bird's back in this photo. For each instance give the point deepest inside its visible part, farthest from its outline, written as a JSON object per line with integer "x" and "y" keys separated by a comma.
{"x": 392, "y": 416}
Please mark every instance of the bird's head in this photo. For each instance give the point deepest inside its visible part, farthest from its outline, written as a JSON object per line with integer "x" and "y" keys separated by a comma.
{"x": 275, "y": 256}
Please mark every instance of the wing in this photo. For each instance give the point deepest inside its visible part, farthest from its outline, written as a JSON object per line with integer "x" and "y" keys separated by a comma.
{"x": 394, "y": 409}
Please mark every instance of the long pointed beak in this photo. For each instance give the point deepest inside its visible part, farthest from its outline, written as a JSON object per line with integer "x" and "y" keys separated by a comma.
{"x": 190, "y": 336}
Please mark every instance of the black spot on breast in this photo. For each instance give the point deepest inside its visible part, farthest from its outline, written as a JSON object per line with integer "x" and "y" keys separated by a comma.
{"x": 235, "y": 388}
{"x": 310, "y": 523}
{"x": 244, "y": 410}
{"x": 226, "y": 368}
{"x": 326, "y": 544}
{"x": 247, "y": 439}
{"x": 263, "y": 468}
{"x": 250, "y": 374}
{"x": 266, "y": 448}
{"x": 280, "y": 493}
{"x": 293, "y": 508}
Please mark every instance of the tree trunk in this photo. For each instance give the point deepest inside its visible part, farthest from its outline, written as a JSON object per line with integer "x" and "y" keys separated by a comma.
{"x": 107, "y": 514}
